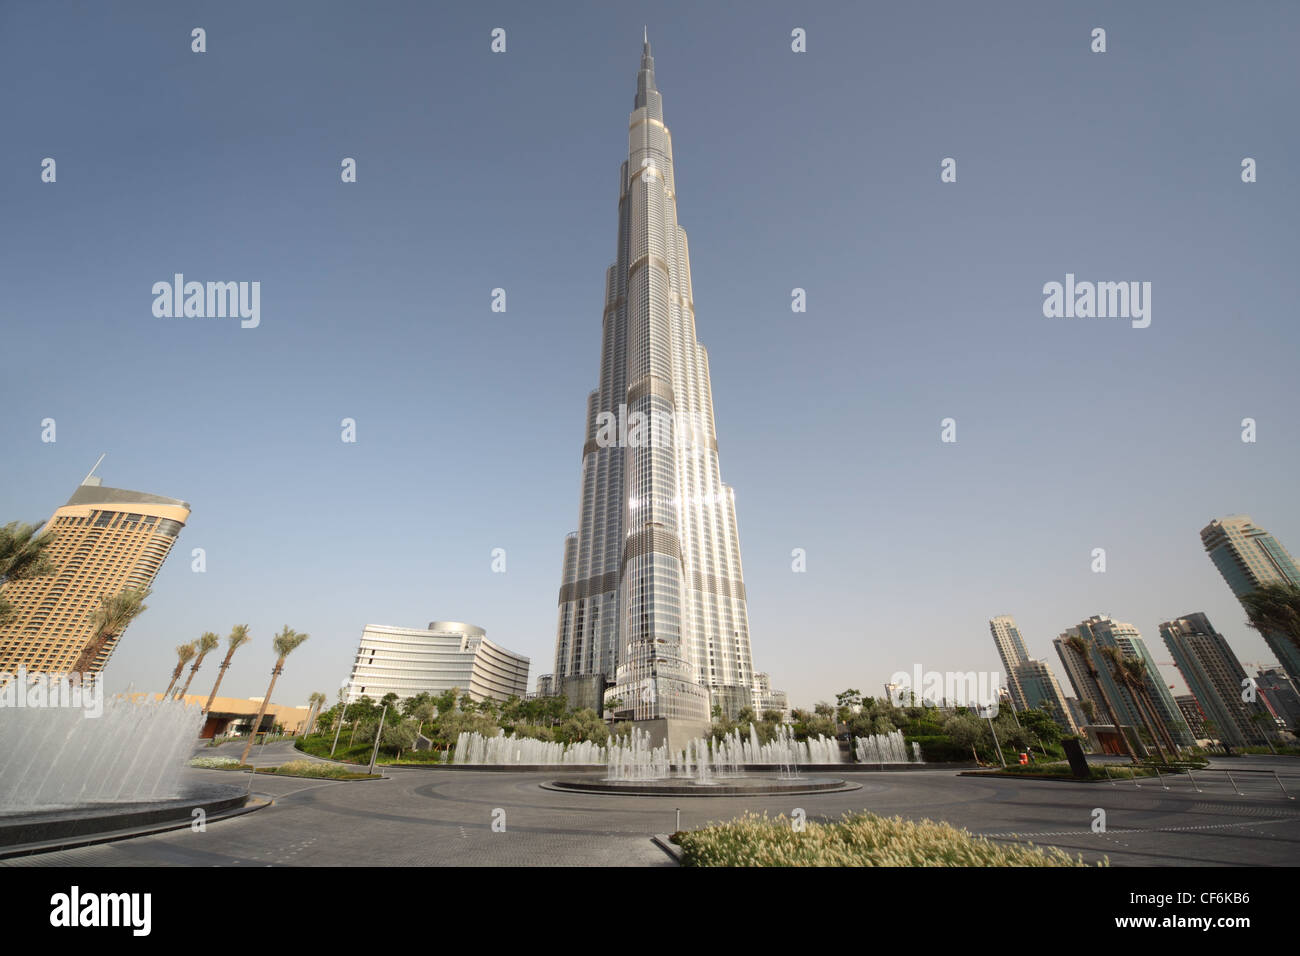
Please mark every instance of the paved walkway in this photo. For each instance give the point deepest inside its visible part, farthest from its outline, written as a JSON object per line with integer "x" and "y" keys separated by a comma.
{"x": 422, "y": 817}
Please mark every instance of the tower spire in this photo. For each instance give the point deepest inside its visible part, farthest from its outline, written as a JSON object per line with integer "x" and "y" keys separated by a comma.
{"x": 645, "y": 78}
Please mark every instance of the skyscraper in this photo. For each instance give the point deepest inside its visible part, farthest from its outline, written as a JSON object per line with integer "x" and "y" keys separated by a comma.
{"x": 1217, "y": 680}
{"x": 1030, "y": 682}
{"x": 1248, "y": 556}
{"x": 105, "y": 540}
{"x": 1102, "y": 632}
{"x": 652, "y": 596}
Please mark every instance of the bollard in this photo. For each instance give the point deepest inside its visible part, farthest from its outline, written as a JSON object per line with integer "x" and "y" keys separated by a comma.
{"x": 1133, "y": 774}
{"x": 679, "y": 820}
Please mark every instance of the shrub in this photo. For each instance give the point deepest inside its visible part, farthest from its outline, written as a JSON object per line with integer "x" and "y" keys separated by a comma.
{"x": 857, "y": 840}
{"x": 215, "y": 763}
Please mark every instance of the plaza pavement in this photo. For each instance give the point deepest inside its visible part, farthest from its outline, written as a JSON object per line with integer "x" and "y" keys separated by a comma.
{"x": 421, "y": 817}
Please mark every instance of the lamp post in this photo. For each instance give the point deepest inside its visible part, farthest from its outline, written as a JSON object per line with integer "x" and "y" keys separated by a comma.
{"x": 340, "y": 723}
{"x": 988, "y": 715}
{"x": 375, "y": 753}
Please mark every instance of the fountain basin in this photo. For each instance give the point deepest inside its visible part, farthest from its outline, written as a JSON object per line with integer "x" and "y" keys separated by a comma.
{"x": 749, "y": 784}
{"x": 43, "y": 830}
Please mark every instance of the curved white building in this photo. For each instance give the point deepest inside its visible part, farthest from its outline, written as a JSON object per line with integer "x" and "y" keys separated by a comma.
{"x": 407, "y": 661}
{"x": 652, "y": 595}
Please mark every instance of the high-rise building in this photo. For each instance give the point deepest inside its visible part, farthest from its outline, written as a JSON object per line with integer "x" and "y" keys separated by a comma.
{"x": 1217, "y": 681}
{"x": 407, "y": 661}
{"x": 1103, "y": 632}
{"x": 1030, "y": 682}
{"x": 1279, "y": 695}
{"x": 104, "y": 541}
{"x": 1248, "y": 556}
{"x": 1012, "y": 651}
{"x": 652, "y": 595}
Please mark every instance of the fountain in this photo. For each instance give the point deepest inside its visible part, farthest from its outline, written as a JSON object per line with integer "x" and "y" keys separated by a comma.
{"x": 732, "y": 764}
{"x": 885, "y": 748}
{"x": 60, "y": 757}
{"x": 68, "y": 768}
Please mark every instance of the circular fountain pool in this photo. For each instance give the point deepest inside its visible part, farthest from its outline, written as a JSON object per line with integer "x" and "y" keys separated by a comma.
{"x": 747, "y": 784}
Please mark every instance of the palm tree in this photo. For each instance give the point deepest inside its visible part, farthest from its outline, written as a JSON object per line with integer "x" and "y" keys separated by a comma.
{"x": 238, "y": 637}
{"x": 116, "y": 611}
{"x": 1141, "y": 680}
{"x": 1084, "y": 649}
{"x": 184, "y": 654}
{"x": 1274, "y": 608}
{"x": 1129, "y": 674}
{"x": 22, "y": 556}
{"x": 285, "y": 643}
{"x": 208, "y": 642}
{"x": 315, "y": 701}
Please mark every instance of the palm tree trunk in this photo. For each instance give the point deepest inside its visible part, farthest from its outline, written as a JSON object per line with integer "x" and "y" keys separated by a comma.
{"x": 220, "y": 674}
{"x": 1160, "y": 722}
{"x": 1139, "y": 700}
{"x": 193, "y": 670}
{"x": 1110, "y": 712}
{"x": 261, "y": 712}
{"x": 89, "y": 653}
{"x": 176, "y": 675}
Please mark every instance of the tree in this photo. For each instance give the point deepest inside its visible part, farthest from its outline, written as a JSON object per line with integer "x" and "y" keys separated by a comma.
{"x": 1042, "y": 726}
{"x": 285, "y": 643}
{"x": 964, "y": 730}
{"x": 1084, "y": 649}
{"x": 314, "y": 702}
{"x": 22, "y": 557}
{"x": 846, "y": 702}
{"x": 446, "y": 701}
{"x": 115, "y": 612}
{"x": 1130, "y": 674}
{"x": 583, "y": 724}
{"x": 237, "y": 639}
{"x": 184, "y": 654}
{"x": 1274, "y": 608}
{"x": 207, "y": 642}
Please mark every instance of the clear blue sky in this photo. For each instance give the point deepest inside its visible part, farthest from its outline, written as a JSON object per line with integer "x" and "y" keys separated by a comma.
{"x": 817, "y": 170}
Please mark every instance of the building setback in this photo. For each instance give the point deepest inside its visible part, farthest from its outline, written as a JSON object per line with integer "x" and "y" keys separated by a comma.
{"x": 1248, "y": 556}
{"x": 652, "y": 594}
{"x": 407, "y": 661}
{"x": 104, "y": 541}
{"x": 1217, "y": 681}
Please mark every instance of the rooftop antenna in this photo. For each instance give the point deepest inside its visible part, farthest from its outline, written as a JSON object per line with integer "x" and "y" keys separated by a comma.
{"x": 92, "y": 471}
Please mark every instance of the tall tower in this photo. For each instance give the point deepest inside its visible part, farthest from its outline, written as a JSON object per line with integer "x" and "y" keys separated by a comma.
{"x": 1030, "y": 682}
{"x": 105, "y": 540}
{"x": 1012, "y": 650}
{"x": 652, "y": 596}
{"x": 1217, "y": 681}
{"x": 1248, "y": 556}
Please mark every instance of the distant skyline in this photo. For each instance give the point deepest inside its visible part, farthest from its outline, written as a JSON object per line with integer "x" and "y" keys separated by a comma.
{"x": 818, "y": 171}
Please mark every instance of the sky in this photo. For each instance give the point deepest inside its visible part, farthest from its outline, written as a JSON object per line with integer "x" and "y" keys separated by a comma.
{"x": 817, "y": 170}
